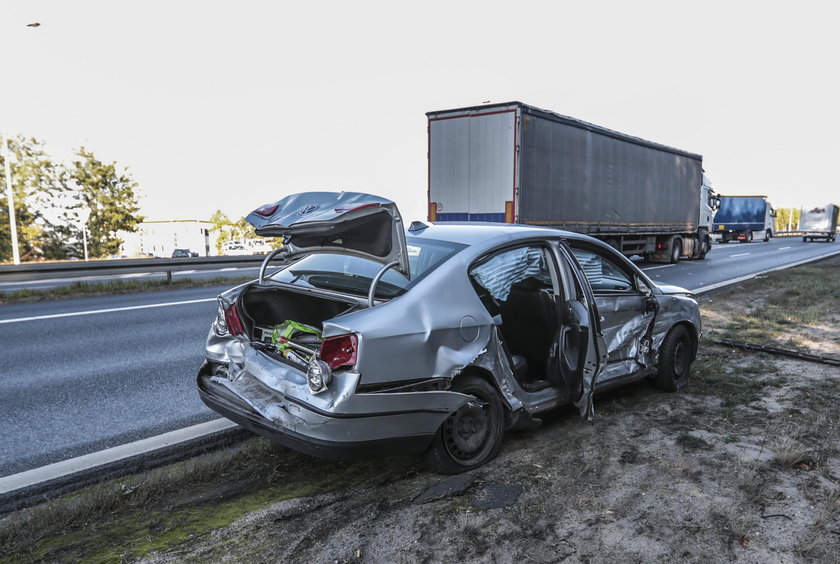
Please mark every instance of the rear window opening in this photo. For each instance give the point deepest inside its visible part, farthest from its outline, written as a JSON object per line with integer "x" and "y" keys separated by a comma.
{"x": 353, "y": 275}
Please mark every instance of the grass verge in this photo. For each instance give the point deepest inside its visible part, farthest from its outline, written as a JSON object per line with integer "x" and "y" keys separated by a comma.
{"x": 139, "y": 515}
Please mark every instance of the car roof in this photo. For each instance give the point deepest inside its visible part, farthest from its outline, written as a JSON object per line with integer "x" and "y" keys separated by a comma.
{"x": 473, "y": 232}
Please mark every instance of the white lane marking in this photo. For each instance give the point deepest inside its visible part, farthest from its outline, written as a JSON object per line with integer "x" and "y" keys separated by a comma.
{"x": 109, "y": 310}
{"x": 94, "y": 459}
{"x": 738, "y": 255}
{"x": 228, "y": 269}
{"x": 655, "y": 267}
{"x": 783, "y": 248}
{"x": 711, "y": 287}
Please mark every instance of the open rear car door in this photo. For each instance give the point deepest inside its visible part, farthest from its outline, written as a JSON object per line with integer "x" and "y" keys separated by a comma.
{"x": 350, "y": 223}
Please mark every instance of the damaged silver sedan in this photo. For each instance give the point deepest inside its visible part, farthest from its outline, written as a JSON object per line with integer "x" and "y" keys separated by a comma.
{"x": 370, "y": 338}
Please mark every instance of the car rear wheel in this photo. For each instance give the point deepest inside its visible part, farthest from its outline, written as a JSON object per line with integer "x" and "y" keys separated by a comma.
{"x": 674, "y": 360}
{"x": 472, "y": 435}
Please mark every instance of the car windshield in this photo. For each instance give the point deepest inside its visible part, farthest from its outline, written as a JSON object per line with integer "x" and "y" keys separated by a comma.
{"x": 353, "y": 275}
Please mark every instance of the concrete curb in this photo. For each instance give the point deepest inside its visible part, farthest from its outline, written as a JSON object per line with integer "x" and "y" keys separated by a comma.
{"x": 41, "y": 484}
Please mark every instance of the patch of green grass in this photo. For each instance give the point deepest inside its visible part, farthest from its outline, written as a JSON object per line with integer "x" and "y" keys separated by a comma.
{"x": 805, "y": 295}
{"x": 85, "y": 289}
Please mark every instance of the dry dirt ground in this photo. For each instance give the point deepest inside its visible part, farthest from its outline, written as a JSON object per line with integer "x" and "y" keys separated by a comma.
{"x": 741, "y": 466}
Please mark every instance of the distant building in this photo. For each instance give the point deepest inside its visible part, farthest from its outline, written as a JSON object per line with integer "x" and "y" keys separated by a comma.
{"x": 160, "y": 238}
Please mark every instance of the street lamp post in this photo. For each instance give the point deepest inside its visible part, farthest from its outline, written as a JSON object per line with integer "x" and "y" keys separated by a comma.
{"x": 10, "y": 197}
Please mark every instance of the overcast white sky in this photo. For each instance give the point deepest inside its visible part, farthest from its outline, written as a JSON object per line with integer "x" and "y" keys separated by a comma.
{"x": 234, "y": 104}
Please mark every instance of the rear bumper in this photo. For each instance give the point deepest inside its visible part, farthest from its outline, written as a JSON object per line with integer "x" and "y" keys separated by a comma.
{"x": 339, "y": 436}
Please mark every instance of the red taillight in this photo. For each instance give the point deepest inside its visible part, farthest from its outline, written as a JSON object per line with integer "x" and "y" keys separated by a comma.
{"x": 661, "y": 246}
{"x": 266, "y": 210}
{"x": 339, "y": 352}
{"x": 234, "y": 324}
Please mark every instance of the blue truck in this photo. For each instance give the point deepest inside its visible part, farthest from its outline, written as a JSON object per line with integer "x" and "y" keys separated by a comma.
{"x": 743, "y": 218}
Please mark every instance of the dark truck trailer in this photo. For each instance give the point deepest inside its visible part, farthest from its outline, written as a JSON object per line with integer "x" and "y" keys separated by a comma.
{"x": 515, "y": 163}
{"x": 742, "y": 218}
{"x": 819, "y": 223}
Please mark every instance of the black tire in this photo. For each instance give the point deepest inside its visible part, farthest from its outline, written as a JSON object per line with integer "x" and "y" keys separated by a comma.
{"x": 804, "y": 239}
{"x": 767, "y": 235}
{"x": 472, "y": 435}
{"x": 675, "y": 356}
{"x": 706, "y": 246}
{"x": 676, "y": 251}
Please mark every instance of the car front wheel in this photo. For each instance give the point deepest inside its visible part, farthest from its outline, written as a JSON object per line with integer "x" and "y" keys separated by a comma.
{"x": 470, "y": 436}
{"x": 674, "y": 360}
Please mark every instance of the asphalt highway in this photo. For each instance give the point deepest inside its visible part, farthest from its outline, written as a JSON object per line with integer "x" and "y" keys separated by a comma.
{"x": 734, "y": 260}
{"x": 74, "y": 382}
{"x": 81, "y": 375}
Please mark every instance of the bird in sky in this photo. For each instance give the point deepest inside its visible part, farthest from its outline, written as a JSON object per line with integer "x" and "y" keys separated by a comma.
{"x": 34, "y": 24}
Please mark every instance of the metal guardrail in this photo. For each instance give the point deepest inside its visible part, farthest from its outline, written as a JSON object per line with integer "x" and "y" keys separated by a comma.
{"x": 79, "y": 269}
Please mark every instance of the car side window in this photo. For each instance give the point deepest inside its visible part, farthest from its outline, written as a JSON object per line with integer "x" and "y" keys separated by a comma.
{"x": 602, "y": 272}
{"x": 514, "y": 267}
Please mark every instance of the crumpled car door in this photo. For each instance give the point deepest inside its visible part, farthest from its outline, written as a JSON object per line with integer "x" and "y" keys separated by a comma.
{"x": 351, "y": 223}
{"x": 580, "y": 348}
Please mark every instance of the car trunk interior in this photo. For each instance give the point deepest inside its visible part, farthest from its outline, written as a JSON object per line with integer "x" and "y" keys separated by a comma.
{"x": 268, "y": 311}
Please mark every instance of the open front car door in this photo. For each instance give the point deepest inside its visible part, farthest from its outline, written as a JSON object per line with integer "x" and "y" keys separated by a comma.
{"x": 580, "y": 352}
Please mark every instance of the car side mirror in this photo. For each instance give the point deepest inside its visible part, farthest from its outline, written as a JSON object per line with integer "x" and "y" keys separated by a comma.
{"x": 643, "y": 287}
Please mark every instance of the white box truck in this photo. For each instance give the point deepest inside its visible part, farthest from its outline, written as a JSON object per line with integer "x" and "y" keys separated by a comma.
{"x": 819, "y": 223}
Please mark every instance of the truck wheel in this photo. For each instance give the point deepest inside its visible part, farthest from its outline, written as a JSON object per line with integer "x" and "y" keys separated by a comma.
{"x": 676, "y": 251}
{"x": 804, "y": 239}
{"x": 705, "y": 247}
{"x": 767, "y": 235}
{"x": 674, "y": 360}
{"x": 470, "y": 436}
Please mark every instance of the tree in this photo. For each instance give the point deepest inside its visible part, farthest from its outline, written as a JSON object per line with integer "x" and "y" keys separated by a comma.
{"x": 36, "y": 180}
{"x": 221, "y": 224}
{"x": 110, "y": 196}
{"x": 228, "y": 230}
{"x": 786, "y": 217}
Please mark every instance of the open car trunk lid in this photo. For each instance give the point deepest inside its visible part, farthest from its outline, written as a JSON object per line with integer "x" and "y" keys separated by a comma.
{"x": 352, "y": 223}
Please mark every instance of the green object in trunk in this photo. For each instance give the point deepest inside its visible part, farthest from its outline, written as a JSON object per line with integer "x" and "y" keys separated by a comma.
{"x": 288, "y": 330}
